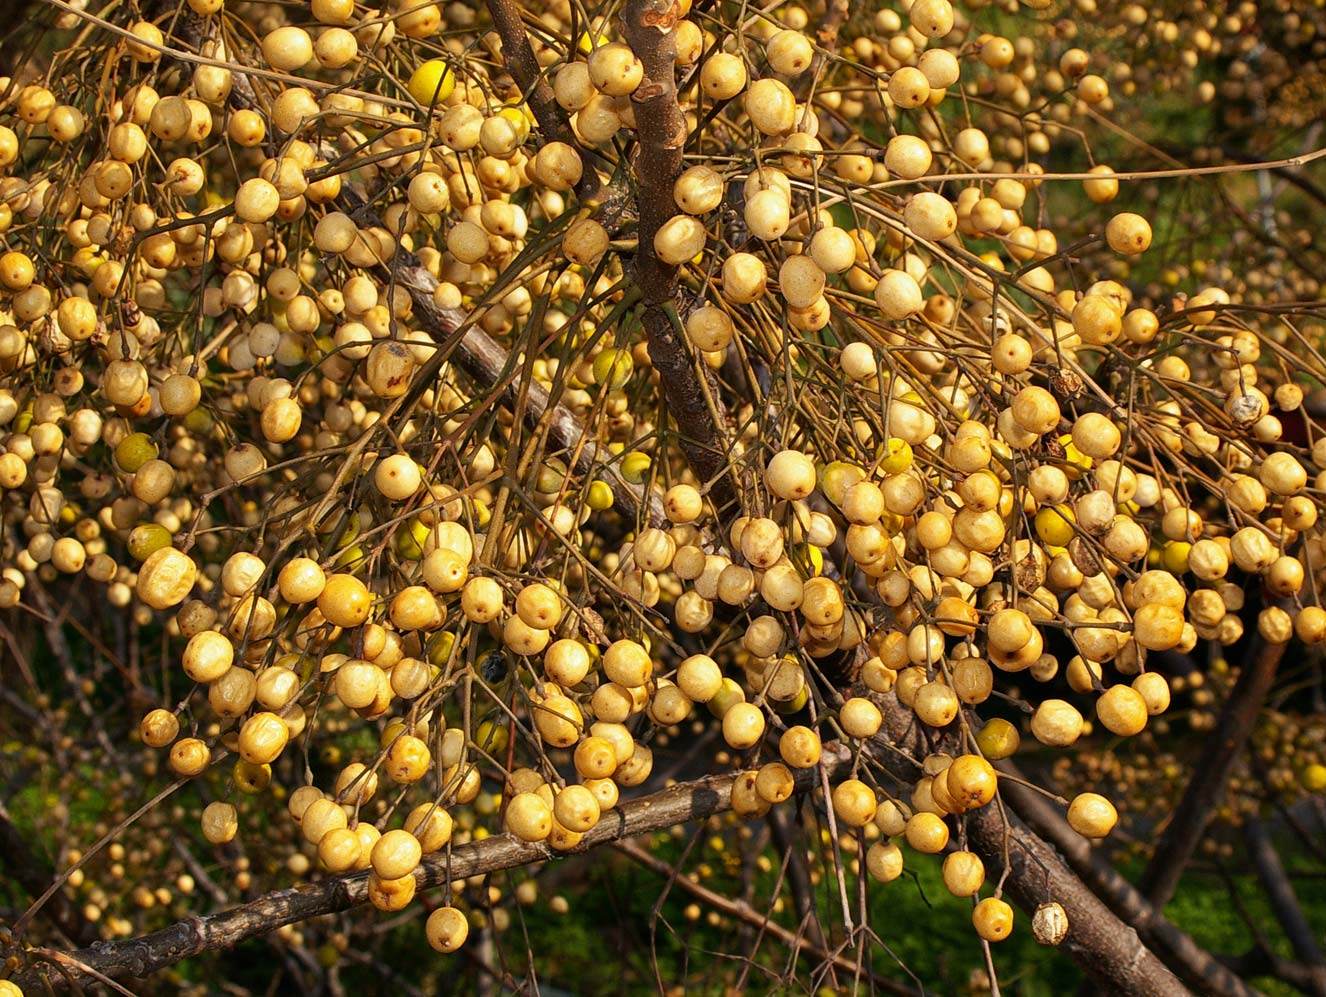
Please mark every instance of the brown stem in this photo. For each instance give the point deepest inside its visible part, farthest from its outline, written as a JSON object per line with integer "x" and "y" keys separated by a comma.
{"x": 527, "y": 73}
{"x": 1187, "y": 827}
{"x": 689, "y": 389}
{"x": 525, "y": 70}
{"x": 1198, "y": 967}
{"x": 826, "y": 35}
{"x": 140, "y": 957}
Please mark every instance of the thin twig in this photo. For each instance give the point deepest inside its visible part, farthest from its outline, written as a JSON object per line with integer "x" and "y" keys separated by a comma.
{"x": 745, "y": 913}
{"x": 1284, "y": 901}
{"x": 140, "y": 957}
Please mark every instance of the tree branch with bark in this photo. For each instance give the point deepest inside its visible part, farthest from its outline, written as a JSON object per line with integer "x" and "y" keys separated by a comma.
{"x": 1198, "y": 967}
{"x": 140, "y": 957}
{"x": 689, "y": 388}
{"x": 1105, "y": 947}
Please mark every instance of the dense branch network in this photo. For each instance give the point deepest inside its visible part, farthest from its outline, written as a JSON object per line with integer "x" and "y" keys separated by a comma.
{"x": 1107, "y": 948}
{"x": 535, "y": 400}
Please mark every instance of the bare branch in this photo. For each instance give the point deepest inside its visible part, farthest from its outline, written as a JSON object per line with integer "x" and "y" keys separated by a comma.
{"x": 1210, "y": 775}
{"x": 1284, "y": 902}
{"x": 743, "y": 911}
{"x": 139, "y": 957}
{"x": 785, "y": 840}
{"x": 1257, "y": 961}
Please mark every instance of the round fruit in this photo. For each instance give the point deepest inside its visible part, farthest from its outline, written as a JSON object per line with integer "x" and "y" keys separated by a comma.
{"x": 446, "y": 929}
{"x": 854, "y": 803}
{"x": 396, "y": 854}
{"x": 1091, "y": 815}
{"x": 993, "y": 919}
{"x": 964, "y": 873}
{"x": 927, "y": 832}
{"x": 432, "y": 83}
{"x": 884, "y": 861}
{"x": 345, "y": 601}
{"x": 1122, "y": 710}
{"x": 166, "y": 578}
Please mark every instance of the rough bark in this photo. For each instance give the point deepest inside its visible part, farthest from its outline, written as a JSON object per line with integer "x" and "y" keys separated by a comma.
{"x": 689, "y": 389}
{"x": 1109, "y": 949}
{"x": 1102, "y": 945}
{"x": 1198, "y": 967}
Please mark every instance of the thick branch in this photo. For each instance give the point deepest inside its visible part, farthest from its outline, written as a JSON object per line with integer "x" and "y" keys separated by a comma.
{"x": 661, "y": 131}
{"x": 1102, "y": 945}
{"x": 525, "y": 70}
{"x": 1098, "y": 941}
{"x": 1210, "y": 773}
{"x": 689, "y": 388}
{"x": 1176, "y": 948}
{"x": 1109, "y": 949}
{"x": 140, "y": 957}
